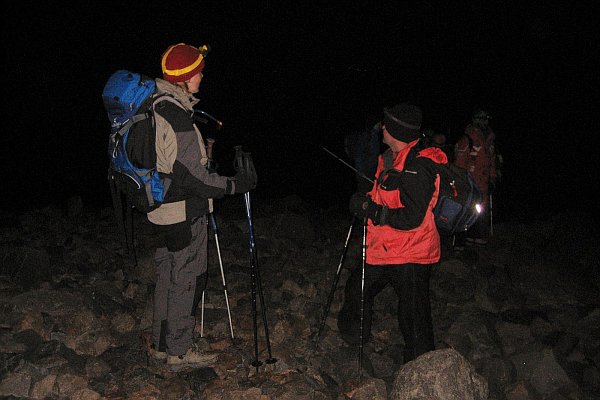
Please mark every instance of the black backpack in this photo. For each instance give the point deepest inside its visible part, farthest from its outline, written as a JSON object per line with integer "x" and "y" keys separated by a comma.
{"x": 459, "y": 201}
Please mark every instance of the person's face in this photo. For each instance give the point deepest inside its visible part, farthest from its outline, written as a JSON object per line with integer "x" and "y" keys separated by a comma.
{"x": 387, "y": 138}
{"x": 481, "y": 122}
{"x": 193, "y": 84}
{"x": 439, "y": 139}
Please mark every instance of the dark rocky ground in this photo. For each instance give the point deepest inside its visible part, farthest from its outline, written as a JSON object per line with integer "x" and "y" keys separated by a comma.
{"x": 518, "y": 319}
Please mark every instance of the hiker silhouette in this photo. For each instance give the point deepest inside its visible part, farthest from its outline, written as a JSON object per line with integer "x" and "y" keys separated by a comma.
{"x": 475, "y": 152}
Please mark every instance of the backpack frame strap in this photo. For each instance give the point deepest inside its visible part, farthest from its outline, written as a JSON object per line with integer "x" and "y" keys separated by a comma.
{"x": 136, "y": 118}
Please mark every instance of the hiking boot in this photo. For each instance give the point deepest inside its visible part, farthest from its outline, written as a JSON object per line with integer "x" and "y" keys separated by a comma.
{"x": 157, "y": 355}
{"x": 191, "y": 359}
{"x": 470, "y": 241}
{"x": 480, "y": 241}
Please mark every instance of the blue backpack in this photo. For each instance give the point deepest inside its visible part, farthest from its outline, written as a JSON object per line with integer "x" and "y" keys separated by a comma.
{"x": 134, "y": 182}
{"x": 128, "y": 99}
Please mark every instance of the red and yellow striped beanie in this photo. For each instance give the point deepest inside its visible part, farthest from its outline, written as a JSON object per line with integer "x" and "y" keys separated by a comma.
{"x": 181, "y": 61}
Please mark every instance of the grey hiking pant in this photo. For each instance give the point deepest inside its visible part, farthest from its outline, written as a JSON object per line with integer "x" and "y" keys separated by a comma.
{"x": 180, "y": 279}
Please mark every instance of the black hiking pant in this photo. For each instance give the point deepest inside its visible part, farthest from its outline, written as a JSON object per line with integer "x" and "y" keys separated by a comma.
{"x": 411, "y": 284}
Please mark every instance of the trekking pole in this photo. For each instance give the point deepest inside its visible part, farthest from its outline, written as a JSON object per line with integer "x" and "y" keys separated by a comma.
{"x": 243, "y": 162}
{"x": 130, "y": 229}
{"x": 491, "y": 216}
{"x": 334, "y": 286}
{"x": 115, "y": 195}
{"x": 361, "y": 174}
{"x": 124, "y": 222}
{"x": 213, "y": 224}
{"x": 257, "y": 286}
{"x": 362, "y": 300}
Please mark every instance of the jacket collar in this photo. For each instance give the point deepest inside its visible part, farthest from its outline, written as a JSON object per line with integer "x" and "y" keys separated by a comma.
{"x": 186, "y": 99}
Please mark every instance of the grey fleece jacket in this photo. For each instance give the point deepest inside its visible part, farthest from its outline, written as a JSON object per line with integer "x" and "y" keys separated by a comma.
{"x": 181, "y": 156}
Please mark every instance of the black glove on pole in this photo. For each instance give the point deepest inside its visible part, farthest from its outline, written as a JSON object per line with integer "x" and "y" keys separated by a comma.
{"x": 361, "y": 206}
{"x": 242, "y": 183}
{"x": 374, "y": 212}
{"x": 358, "y": 205}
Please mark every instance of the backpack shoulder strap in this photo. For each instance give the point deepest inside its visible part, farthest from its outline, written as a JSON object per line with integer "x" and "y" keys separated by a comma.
{"x": 414, "y": 152}
{"x": 136, "y": 118}
{"x": 160, "y": 97}
{"x": 428, "y": 164}
{"x": 155, "y": 99}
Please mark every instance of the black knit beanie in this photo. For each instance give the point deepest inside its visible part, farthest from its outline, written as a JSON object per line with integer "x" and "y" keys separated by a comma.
{"x": 403, "y": 121}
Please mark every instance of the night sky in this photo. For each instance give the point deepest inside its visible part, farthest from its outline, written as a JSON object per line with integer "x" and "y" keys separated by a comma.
{"x": 287, "y": 80}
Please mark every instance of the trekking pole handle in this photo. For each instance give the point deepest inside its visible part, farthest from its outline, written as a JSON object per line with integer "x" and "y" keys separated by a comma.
{"x": 211, "y": 164}
{"x": 243, "y": 163}
{"x": 238, "y": 162}
{"x": 209, "y": 147}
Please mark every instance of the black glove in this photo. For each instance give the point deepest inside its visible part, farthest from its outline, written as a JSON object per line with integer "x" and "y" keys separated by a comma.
{"x": 358, "y": 204}
{"x": 362, "y": 207}
{"x": 243, "y": 165}
{"x": 243, "y": 183}
{"x": 374, "y": 212}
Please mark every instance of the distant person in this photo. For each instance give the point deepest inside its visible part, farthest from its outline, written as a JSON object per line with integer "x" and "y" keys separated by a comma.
{"x": 402, "y": 238}
{"x": 181, "y": 222}
{"x": 437, "y": 139}
{"x": 475, "y": 152}
{"x": 363, "y": 148}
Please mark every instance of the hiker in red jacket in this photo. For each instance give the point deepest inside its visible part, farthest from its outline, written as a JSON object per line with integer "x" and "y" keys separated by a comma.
{"x": 475, "y": 152}
{"x": 402, "y": 238}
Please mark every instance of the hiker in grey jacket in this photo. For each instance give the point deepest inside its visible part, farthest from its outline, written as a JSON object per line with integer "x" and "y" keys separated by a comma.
{"x": 181, "y": 221}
